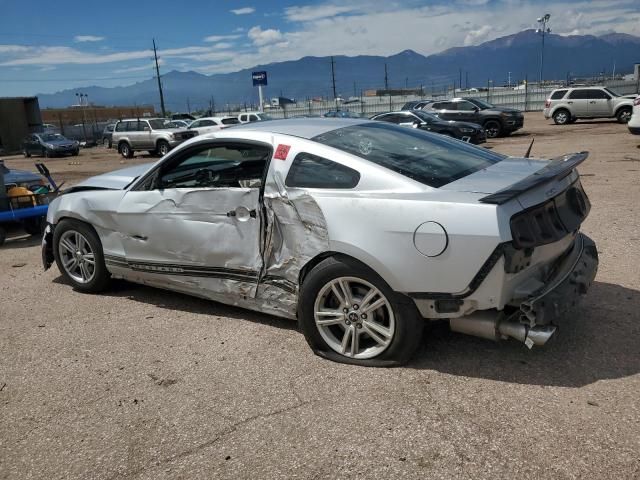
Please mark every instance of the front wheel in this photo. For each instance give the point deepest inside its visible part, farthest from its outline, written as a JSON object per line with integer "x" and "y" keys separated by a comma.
{"x": 78, "y": 253}
{"x": 26, "y": 153}
{"x": 162, "y": 148}
{"x": 624, "y": 115}
{"x": 492, "y": 129}
{"x": 349, "y": 314}
{"x": 125, "y": 150}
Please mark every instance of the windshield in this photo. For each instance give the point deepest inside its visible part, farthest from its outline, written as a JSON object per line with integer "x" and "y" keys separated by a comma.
{"x": 47, "y": 137}
{"x": 426, "y": 117}
{"x": 480, "y": 103}
{"x": 158, "y": 124}
{"x": 615, "y": 94}
{"x": 428, "y": 158}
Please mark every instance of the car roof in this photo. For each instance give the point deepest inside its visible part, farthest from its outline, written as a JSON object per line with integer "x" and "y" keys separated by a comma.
{"x": 140, "y": 118}
{"x": 301, "y": 127}
{"x": 215, "y": 118}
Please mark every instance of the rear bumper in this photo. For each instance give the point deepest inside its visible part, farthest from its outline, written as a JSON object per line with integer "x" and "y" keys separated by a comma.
{"x": 572, "y": 278}
{"x": 634, "y": 130}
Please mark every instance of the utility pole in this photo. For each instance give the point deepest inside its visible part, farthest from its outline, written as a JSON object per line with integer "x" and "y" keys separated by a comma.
{"x": 188, "y": 106}
{"x": 333, "y": 80}
{"x": 406, "y": 83}
{"x": 386, "y": 78}
{"x": 355, "y": 92}
{"x": 155, "y": 55}
{"x": 466, "y": 79}
{"x": 509, "y": 79}
{"x": 460, "y": 78}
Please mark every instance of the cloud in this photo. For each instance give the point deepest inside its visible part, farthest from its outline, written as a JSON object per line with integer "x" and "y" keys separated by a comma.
{"x": 243, "y": 11}
{"x": 309, "y": 13}
{"x": 87, "y": 38}
{"x": 217, "y": 38}
{"x": 146, "y": 67}
{"x": 261, "y": 37}
{"x": 477, "y": 36}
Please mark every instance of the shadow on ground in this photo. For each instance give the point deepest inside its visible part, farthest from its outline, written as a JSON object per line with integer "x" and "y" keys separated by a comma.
{"x": 599, "y": 342}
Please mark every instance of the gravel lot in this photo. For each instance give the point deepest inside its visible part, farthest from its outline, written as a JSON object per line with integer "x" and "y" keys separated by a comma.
{"x": 141, "y": 383}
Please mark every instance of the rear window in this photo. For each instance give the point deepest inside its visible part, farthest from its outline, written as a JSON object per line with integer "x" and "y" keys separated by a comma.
{"x": 312, "y": 171}
{"x": 558, "y": 94}
{"x": 428, "y": 158}
{"x": 230, "y": 121}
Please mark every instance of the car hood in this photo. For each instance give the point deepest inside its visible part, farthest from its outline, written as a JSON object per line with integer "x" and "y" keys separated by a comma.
{"x": 116, "y": 180}
{"x": 498, "y": 176}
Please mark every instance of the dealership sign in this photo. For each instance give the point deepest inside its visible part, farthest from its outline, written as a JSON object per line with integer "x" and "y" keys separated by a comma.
{"x": 259, "y": 78}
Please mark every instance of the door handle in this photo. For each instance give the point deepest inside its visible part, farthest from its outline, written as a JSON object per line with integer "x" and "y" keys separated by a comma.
{"x": 242, "y": 213}
{"x": 140, "y": 237}
{"x": 592, "y": 101}
{"x": 569, "y": 102}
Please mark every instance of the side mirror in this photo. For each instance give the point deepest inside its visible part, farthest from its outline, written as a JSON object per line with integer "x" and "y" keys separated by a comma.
{"x": 146, "y": 129}
{"x": 476, "y": 109}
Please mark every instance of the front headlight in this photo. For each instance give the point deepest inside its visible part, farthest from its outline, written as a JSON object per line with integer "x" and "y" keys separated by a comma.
{"x": 467, "y": 130}
{"x": 48, "y": 145}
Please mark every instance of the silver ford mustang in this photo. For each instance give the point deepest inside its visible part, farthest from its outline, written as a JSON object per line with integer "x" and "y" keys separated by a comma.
{"x": 361, "y": 230}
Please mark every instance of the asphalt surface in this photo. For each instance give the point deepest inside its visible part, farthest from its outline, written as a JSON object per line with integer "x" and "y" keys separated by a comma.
{"x": 146, "y": 384}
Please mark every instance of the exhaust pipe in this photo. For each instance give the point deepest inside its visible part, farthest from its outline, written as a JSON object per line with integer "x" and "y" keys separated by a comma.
{"x": 490, "y": 326}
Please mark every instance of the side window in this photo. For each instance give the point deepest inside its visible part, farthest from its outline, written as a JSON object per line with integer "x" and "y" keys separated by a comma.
{"x": 207, "y": 123}
{"x": 230, "y": 121}
{"x": 599, "y": 95}
{"x": 466, "y": 106}
{"x": 311, "y": 171}
{"x": 243, "y": 118}
{"x": 558, "y": 94}
{"x": 143, "y": 126}
{"x": 389, "y": 117}
{"x": 253, "y": 118}
{"x": 579, "y": 94}
{"x": 195, "y": 124}
{"x": 220, "y": 166}
{"x": 438, "y": 105}
{"x": 121, "y": 127}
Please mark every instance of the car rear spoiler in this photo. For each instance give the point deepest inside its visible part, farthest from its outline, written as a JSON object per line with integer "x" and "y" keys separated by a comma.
{"x": 558, "y": 168}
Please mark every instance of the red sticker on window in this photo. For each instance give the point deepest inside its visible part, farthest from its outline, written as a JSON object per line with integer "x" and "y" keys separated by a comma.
{"x": 282, "y": 151}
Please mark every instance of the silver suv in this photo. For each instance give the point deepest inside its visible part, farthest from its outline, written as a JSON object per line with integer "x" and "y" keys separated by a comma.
{"x": 566, "y": 105}
{"x": 154, "y": 135}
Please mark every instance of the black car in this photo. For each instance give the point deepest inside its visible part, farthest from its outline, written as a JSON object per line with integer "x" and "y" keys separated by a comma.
{"x": 416, "y": 104}
{"x": 107, "y": 133}
{"x": 471, "y": 132}
{"x": 497, "y": 121}
{"x": 49, "y": 145}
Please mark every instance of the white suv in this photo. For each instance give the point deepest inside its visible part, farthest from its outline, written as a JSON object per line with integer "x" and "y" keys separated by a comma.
{"x": 566, "y": 105}
{"x": 212, "y": 124}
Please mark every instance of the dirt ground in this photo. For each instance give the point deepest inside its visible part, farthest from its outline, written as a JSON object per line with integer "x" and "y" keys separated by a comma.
{"x": 141, "y": 383}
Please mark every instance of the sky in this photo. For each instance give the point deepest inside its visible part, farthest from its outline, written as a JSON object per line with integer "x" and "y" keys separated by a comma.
{"x": 49, "y": 46}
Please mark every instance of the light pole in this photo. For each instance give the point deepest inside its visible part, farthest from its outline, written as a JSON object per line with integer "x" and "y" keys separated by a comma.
{"x": 84, "y": 128}
{"x": 543, "y": 29}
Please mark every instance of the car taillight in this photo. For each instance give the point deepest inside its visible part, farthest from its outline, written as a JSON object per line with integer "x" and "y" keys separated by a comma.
{"x": 547, "y": 103}
{"x": 636, "y": 102}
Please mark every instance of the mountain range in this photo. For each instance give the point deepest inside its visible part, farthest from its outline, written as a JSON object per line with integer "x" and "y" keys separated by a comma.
{"x": 519, "y": 54}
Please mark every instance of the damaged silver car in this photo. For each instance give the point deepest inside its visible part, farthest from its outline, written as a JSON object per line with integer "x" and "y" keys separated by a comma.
{"x": 360, "y": 230}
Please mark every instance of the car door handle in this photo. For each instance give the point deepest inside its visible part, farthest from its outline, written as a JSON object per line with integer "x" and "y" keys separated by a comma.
{"x": 140, "y": 237}
{"x": 569, "y": 102}
{"x": 242, "y": 214}
{"x": 592, "y": 101}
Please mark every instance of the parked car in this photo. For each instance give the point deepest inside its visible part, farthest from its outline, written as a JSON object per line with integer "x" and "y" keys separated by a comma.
{"x": 497, "y": 121}
{"x": 178, "y": 123}
{"x": 361, "y": 230}
{"x": 471, "y": 132}
{"x": 107, "y": 135}
{"x": 634, "y": 121}
{"x": 49, "y": 145}
{"x": 247, "y": 117}
{"x": 566, "y": 105}
{"x": 341, "y": 114}
{"x": 416, "y": 104}
{"x": 21, "y": 178}
{"x": 212, "y": 124}
{"x": 183, "y": 116}
{"x": 150, "y": 134}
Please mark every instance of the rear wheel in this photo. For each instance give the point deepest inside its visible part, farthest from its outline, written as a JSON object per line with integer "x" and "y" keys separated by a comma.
{"x": 3, "y": 235}
{"x": 78, "y": 253}
{"x": 624, "y": 115}
{"x": 561, "y": 117}
{"x": 125, "y": 150}
{"x": 492, "y": 128}
{"x": 26, "y": 153}
{"x": 349, "y": 314}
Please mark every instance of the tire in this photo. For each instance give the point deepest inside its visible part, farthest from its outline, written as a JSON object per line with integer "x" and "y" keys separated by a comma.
{"x": 33, "y": 226}
{"x": 573, "y": 120}
{"x": 75, "y": 153}
{"x": 492, "y": 128}
{"x": 561, "y": 117}
{"x": 396, "y": 316}
{"x": 624, "y": 115}
{"x": 162, "y": 148}
{"x": 3, "y": 236}
{"x": 125, "y": 150}
{"x": 26, "y": 153}
{"x": 106, "y": 143}
{"x": 81, "y": 277}
{"x": 46, "y": 153}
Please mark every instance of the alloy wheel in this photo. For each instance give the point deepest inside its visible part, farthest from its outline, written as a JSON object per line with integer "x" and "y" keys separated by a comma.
{"x": 77, "y": 256}
{"x": 354, "y": 318}
{"x": 561, "y": 118}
